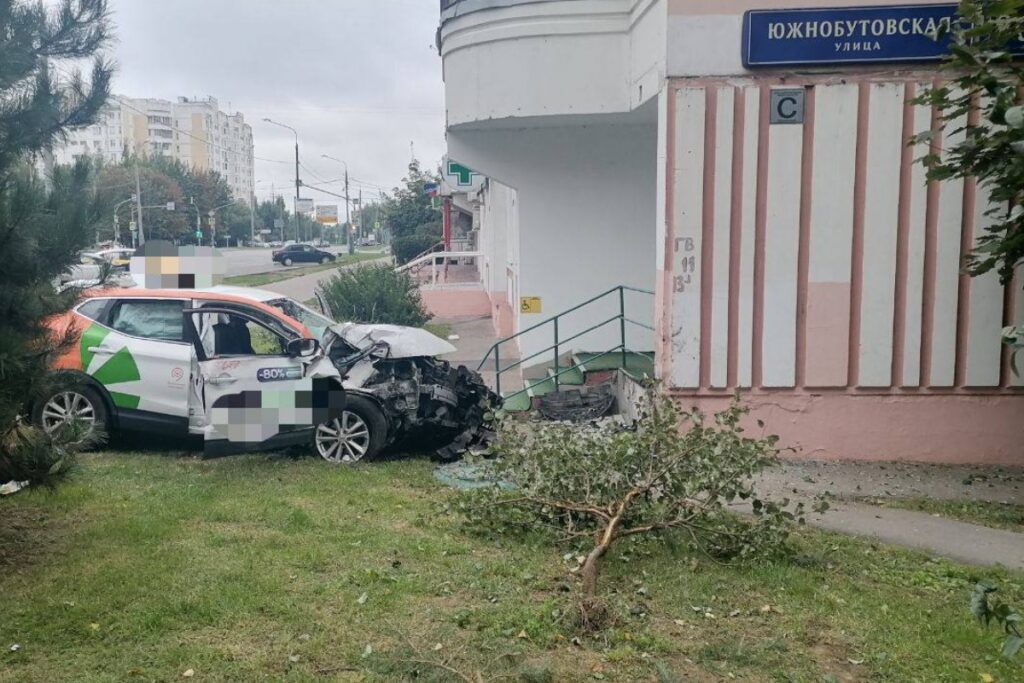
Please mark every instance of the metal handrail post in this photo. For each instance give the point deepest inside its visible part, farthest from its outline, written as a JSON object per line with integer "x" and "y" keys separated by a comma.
{"x": 497, "y": 371}
{"x": 622, "y": 323}
{"x": 556, "y": 353}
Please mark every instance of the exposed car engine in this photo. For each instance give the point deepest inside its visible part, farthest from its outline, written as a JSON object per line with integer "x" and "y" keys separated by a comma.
{"x": 427, "y": 400}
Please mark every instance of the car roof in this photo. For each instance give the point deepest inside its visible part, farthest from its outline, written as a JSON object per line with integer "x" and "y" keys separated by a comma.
{"x": 116, "y": 293}
{"x": 252, "y": 293}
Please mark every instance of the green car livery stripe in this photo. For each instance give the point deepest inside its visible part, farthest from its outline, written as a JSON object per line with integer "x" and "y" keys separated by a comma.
{"x": 118, "y": 369}
{"x": 93, "y": 336}
{"x": 124, "y": 400}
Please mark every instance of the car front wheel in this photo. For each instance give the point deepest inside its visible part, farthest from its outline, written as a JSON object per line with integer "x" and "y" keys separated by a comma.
{"x": 286, "y": 262}
{"x": 325, "y": 260}
{"x": 80, "y": 404}
{"x": 359, "y": 433}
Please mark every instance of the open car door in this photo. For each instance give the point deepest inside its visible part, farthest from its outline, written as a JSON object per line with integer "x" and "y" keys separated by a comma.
{"x": 257, "y": 385}
{"x": 324, "y": 307}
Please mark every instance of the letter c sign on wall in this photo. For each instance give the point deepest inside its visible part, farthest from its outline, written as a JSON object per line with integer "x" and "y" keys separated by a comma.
{"x": 786, "y": 106}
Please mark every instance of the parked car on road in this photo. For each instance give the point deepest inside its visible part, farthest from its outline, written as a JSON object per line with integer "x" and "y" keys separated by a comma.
{"x": 301, "y": 253}
{"x": 91, "y": 267}
{"x": 119, "y": 258}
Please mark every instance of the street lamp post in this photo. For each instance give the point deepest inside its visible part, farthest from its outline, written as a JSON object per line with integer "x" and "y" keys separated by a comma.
{"x": 117, "y": 225}
{"x": 252, "y": 217}
{"x": 298, "y": 182}
{"x": 348, "y": 222}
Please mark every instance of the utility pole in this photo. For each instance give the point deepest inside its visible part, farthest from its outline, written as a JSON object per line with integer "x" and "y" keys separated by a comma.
{"x": 252, "y": 218}
{"x": 297, "y": 184}
{"x": 199, "y": 225}
{"x": 348, "y": 219}
{"x": 138, "y": 205}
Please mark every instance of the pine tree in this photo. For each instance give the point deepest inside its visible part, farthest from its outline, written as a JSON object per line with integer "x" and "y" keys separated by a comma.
{"x": 42, "y": 225}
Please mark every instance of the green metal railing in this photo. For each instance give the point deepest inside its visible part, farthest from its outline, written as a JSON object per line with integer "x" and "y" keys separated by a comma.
{"x": 560, "y": 343}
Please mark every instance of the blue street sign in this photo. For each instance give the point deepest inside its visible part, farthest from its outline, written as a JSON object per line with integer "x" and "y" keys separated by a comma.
{"x": 897, "y": 33}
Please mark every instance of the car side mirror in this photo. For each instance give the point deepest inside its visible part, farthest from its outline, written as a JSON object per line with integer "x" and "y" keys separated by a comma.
{"x": 302, "y": 348}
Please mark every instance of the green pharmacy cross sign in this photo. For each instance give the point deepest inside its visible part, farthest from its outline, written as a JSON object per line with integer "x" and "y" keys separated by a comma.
{"x": 463, "y": 175}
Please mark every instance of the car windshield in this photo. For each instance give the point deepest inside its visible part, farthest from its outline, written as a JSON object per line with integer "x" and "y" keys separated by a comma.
{"x": 316, "y": 323}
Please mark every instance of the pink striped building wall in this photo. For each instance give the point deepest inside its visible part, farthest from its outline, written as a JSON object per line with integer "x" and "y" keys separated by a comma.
{"x": 812, "y": 268}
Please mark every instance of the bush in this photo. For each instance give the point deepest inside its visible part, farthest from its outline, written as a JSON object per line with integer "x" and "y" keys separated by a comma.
{"x": 407, "y": 248}
{"x": 374, "y": 294}
{"x": 592, "y": 485}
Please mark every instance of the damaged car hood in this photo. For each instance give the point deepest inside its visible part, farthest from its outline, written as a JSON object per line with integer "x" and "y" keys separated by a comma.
{"x": 403, "y": 342}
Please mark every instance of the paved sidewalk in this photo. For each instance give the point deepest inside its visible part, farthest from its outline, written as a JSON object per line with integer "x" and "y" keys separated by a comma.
{"x": 940, "y": 536}
{"x": 475, "y": 338}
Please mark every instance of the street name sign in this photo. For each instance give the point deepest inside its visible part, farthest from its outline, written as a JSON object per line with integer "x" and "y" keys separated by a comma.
{"x": 888, "y": 33}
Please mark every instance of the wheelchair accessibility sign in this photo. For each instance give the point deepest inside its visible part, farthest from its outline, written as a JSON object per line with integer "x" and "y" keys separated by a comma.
{"x": 529, "y": 304}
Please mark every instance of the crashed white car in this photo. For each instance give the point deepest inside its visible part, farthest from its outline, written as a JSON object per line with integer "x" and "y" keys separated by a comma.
{"x": 248, "y": 370}
{"x": 399, "y": 389}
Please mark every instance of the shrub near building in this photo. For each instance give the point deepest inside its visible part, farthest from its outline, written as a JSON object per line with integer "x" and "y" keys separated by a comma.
{"x": 374, "y": 294}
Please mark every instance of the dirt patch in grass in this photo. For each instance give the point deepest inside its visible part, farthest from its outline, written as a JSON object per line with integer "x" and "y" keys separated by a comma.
{"x": 27, "y": 536}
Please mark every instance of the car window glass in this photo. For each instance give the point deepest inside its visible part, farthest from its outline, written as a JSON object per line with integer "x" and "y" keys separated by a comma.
{"x": 149, "y": 319}
{"x": 92, "y": 309}
{"x": 225, "y": 334}
{"x": 314, "y": 322}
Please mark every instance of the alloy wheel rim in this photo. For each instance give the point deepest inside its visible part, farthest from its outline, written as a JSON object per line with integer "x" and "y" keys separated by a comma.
{"x": 67, "y": 407}
{"x": 344, "y": 439}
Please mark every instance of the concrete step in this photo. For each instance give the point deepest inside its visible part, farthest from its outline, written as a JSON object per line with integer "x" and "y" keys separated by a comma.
{"x": 518, "y": 403}
{"x": 536, "y": 388}
{"x": 569, "y": 377}
{"x": 638, "y": 364}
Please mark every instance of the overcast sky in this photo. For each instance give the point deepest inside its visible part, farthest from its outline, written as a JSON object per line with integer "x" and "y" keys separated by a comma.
{"x": 358, "y": 79}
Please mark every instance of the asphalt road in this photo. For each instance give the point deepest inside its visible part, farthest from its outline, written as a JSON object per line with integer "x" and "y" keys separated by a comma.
{"x": 249, "y": 261}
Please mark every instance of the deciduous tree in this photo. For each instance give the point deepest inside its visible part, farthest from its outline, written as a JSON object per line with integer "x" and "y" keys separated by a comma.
{"x": 982, "y": 99}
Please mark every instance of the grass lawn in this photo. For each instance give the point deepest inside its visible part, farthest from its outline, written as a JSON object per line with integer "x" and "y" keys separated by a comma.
{"x": 260, "y": 279}
{"x": 145, "y": 566}
{"x": 442, "y": 330}
{"x": 985, "y": 513}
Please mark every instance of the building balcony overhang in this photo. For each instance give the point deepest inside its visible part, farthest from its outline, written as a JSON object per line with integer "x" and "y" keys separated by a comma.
{"x": 524, "y": 58}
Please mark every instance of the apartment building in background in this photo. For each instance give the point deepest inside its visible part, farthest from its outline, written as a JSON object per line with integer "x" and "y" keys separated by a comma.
{"x": 193, "y": 130}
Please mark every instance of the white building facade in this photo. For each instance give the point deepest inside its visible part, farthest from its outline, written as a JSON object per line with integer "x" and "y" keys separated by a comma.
{"x": 194, "y": 131}
{"x": 748, "y": 161}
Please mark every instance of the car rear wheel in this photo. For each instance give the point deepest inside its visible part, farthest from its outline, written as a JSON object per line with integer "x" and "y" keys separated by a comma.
{"x": 286, "y": 261}
{"x": 357, "y": 434}
{"x": 80, "y": 404}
